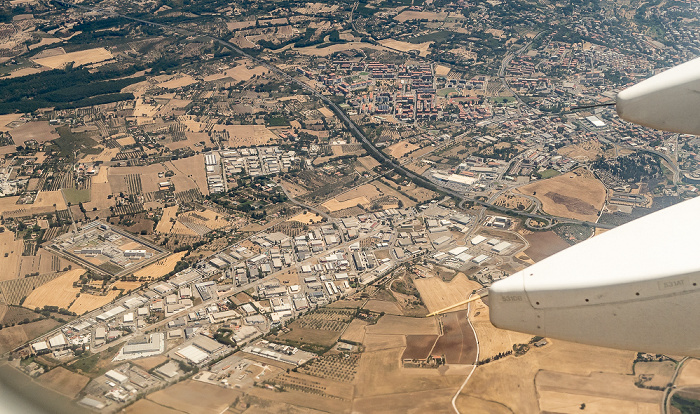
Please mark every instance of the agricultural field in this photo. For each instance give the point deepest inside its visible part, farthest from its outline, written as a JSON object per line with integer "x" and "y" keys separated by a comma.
{"x": 405, "y": 46}
{"x": 355, "y": 332}
{"x": 10, "y": 255}
{"x": 401, "y": 149}
{"x": 599, "y": 391}
{"x": 195, "y": 397}
{"x": 63, "y": 381}
{"x": 45, "y": 202}
{"x": 407, "y": 15}
{"x": 294, "y": 190}
{"x": 15, "y": 289}
{"x": 14, "y": 336}
{"x": 146, "y": 406}
{"x": 655, "y": 373}
{"x": 160, "y": 268}
{"x": 167, "y": 220}
{"x": 368, "y": 162}
{"x": 382, "y": 385}
{"x": 307, "y": 218}
{"x": 87, "y": 302}
{"x": 690, "y": 373}
{"x": 338, "y": 367}
{"x": 40, "y": 131}
{"x": 189, "y": 174}
{"x": 441, "y": 70}
{"x": 10, "y": 315}
{"x": 569, "y": 195}
{"x": 321, "y": 328}
{"x": 401, "y": 325}
{"x": 544, "y": 244}
{"x": 241, "y": 72}
{"x": 246, "y": 135}
{"x": 150, "y": 362}
{"x": 419, "y": 193}
{"x": 360, "y": 195}
{"x": 178, "y": 81}
{"x": 437, "y": 294}
{"x": 391, "y": 308}
{"x": 520, "y": 393}
{"x": 79, "y": 58}
{"x": 457, "y": 342}
{"x": 419, "y": 346}
{"x": 58, "y": 292}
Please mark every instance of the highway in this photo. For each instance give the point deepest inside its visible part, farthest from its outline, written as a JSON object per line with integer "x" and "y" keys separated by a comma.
{"x": 349, "y": 123}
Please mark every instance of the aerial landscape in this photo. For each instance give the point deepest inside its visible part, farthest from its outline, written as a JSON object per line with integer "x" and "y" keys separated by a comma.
{"x": 253, "y": 207}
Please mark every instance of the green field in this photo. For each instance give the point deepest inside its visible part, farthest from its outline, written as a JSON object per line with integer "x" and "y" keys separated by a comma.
{"x": 549, "y": 173}
{"x": 446, "y": 91}
{"x": 75, "y": 196}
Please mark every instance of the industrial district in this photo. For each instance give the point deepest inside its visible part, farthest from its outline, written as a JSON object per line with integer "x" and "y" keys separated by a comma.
{"x": 253, "y": 207}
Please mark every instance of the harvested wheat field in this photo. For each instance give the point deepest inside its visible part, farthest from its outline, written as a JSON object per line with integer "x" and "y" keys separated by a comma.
{"x": 178, "y": 81}
{"x": 569, "y": 195}
{"x": 124, "y": 285}
{"x": 195, "y": 397}
{"x": 368, "y": 162}
{"x": 79, "y": 58}
{"x": 44, "y": 203}
{"x": 382, "y": 385}
{"x": 307, "y": 218}
{"x": 690, "y": 373}
{"x": 361, "y": 195}
{"x": 337, "y": 47}
{"x": 355, "y": 332}
{"x": 335, "y": 205}
{"x": 403, "y": 325}
{"x": 401, "y": 148}
{"x": 511, "y": 381}
{"x": 441, "y": 70}
{"x": 391, "y": 308}
{"x": 63, "y": 381}
{"x": 246, "y": 135}
{"x": 437, "y": 294}
{"x": 6, "y": 120}
{"x": 10, "y": 255}
{"x": 165, "y": 224}
{"x": 407, "y": 15}
{"x": 58, "y": 292}
{"x": 600, "y": 392}
{"x": 144, "y": 406}
{"x": 190, "y": 174}
{"x": 87, "y": 302}
{"x": 160, "y": 268}
{"x": 239, "y": 73}
{"x": 406, "y": 46}
{"x": 40, "y": 131}
{"x": 14, "y": 336}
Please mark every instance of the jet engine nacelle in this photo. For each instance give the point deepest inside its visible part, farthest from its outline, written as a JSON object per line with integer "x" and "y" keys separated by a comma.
{"x": 635, "y": 287}
{"x": 668, "y": 101}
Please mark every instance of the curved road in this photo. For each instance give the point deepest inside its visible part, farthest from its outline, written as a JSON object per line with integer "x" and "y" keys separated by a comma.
{"x": 350, "y": 124}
